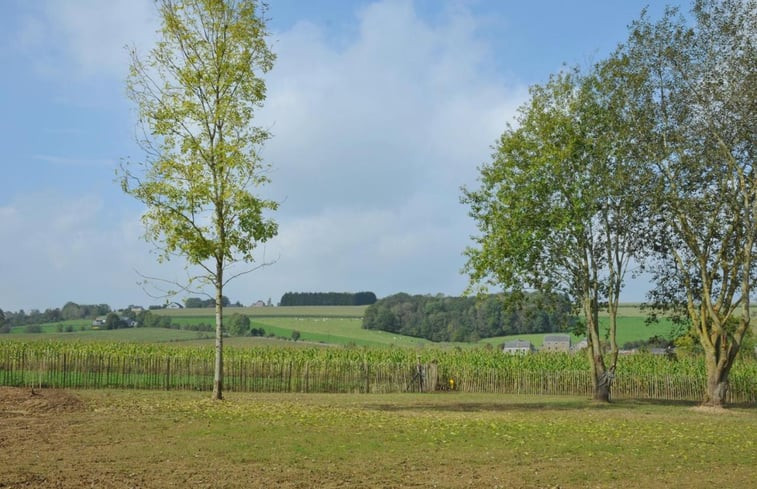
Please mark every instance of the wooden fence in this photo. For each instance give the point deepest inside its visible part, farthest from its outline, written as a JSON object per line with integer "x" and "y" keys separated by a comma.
{"x": 99, "y": 370}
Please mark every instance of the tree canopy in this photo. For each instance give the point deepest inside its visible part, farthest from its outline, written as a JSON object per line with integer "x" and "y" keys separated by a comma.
{"x": 440, "y": 318}
{"x": 556, "y": 208}
{"x": 196, "y": 93}
{"x": 695, "y": 83}
{"x": 327, "y": 299}
{"x": 647, "y": 156}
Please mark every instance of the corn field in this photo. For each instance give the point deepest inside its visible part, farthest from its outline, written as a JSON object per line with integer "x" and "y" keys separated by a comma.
{"x": 353, "y": 370}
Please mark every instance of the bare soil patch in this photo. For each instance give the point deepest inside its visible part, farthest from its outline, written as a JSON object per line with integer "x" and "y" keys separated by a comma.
{"x": 17, "y": 401}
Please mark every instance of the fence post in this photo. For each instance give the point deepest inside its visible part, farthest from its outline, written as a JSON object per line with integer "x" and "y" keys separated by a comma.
{"x": 168, "y": 373}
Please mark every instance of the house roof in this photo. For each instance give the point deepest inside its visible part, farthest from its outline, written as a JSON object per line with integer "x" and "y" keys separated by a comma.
{"x": 518, "y": 344}
{"x": 557, "y": 338}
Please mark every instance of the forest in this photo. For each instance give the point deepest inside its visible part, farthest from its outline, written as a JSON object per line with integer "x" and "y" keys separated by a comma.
{"x": 327, "y": 299}
{"x": 442, "y": 318}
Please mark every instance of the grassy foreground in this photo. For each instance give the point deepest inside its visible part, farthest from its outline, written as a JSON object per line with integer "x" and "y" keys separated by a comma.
{"x": 117, "y": 439}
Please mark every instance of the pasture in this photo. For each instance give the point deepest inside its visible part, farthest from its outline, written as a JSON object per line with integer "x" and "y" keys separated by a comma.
{"x": 331, "y": 325}
{"x": 126, "y": 439}
{"x": 285, "y": 311}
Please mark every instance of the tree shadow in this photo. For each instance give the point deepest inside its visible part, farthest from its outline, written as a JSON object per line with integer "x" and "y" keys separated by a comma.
{"x": 536, "y": 405}
{"x": 504, "y": 406}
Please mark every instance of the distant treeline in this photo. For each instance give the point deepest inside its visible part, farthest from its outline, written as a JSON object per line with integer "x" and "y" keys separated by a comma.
{"x": 440, "y": 318}
{"x": 196, "y": 302}
{"x": 70, "y": 310}
{"x": 327, "y": 299}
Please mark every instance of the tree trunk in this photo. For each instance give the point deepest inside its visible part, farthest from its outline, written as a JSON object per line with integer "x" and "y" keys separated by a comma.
{"x": 218, "y": 370}
{"x": 602, "y": 389}
{"x": 601, "y": 377}
{"x": 717, "y": 382}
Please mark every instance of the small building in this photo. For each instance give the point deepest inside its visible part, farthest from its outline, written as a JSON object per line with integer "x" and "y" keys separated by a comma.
{"x": 258, "y": 304}
{"x": 556, "y": 342}
{"x": 584, "y": 343}
{"x": 518, "y": 347}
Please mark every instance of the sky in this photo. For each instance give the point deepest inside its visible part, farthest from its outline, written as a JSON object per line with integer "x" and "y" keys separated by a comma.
{"x": 380, "y": 111}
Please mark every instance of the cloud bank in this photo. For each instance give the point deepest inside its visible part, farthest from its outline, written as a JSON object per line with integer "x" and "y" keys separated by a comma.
{"x": 373, "y": 136}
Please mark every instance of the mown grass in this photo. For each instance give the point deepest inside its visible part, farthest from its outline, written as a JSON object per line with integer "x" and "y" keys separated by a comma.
{"x": 411, "y": 440}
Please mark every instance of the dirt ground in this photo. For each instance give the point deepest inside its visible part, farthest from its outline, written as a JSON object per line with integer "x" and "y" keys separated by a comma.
{"x": 138, "y": 440}
{"x": 55, "y": 439}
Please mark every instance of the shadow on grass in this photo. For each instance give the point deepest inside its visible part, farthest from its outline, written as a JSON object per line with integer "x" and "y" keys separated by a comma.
{"x": 504, "y": 406}
{"x": 678, "y": 403}
{"x": 551, "y": 404}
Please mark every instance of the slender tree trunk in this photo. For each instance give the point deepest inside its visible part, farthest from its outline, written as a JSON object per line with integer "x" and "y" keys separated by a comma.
{"x": 218, "y": 370}
{"x": 601, "y": 378}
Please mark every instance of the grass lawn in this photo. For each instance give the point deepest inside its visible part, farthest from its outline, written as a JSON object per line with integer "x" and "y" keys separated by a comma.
{"x": 120, "y": 439}
{"x": 630, "y": 328}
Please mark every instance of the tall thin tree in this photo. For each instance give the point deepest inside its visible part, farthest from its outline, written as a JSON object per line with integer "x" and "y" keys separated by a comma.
{"x": 196, "y": 93}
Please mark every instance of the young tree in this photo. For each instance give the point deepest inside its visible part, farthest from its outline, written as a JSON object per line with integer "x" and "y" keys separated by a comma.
{"x": 697, "y": 84}
{"x": 558, "y": 206}
{"x": 196, "y": 94}
{"x": 239, "y": 325}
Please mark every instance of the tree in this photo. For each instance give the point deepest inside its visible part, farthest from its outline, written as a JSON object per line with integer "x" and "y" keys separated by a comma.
{"x": 113, "y": 321}
{"x": 239, "y": 324}
{"x": 196, "y": 94}
{"x": 696, "y": 82}
{"x": 71, "y": 310}
{"x": 556, "y": 207}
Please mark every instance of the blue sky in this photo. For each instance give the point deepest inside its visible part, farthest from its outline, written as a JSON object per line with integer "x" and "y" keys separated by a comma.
{"x": 380, "y": 111}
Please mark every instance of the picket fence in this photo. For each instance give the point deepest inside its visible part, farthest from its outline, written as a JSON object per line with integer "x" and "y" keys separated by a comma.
{"x": 100, "y": 370}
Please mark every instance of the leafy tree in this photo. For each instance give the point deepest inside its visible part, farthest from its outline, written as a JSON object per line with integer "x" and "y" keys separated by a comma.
{"x": 194, "y": 302}
{"x": 556, "y": 207}
{"x": 4, "y": 328}
{"x": 198, "y": 302}
{"x": 239, "y": 324}
{"x": 295, "y": 335}
{"x": 71, "y": 310}
{"x": 196, "y": 93}
{"x": 696, "y": 84}
{"x": 114, "y": 321}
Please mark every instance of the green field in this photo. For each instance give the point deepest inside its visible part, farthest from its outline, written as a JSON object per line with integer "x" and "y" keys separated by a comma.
{"x": 286, "y": 311}
{"x": 136, "y": 335}
{"x": 337, "y": 325}
{"x": 111, "y": 438}
{"x": 630, "y": 328}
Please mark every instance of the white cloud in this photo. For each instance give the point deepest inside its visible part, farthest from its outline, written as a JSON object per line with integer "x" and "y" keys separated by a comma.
{"x": 406, "y": 106}
{"x": 57, "y": 248}
{"x": 372, "y": 139}
{"x": 85, "y": 38}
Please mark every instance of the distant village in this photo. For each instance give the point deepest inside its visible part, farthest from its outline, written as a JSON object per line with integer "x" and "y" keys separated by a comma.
{"x": 562, "y": 343}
